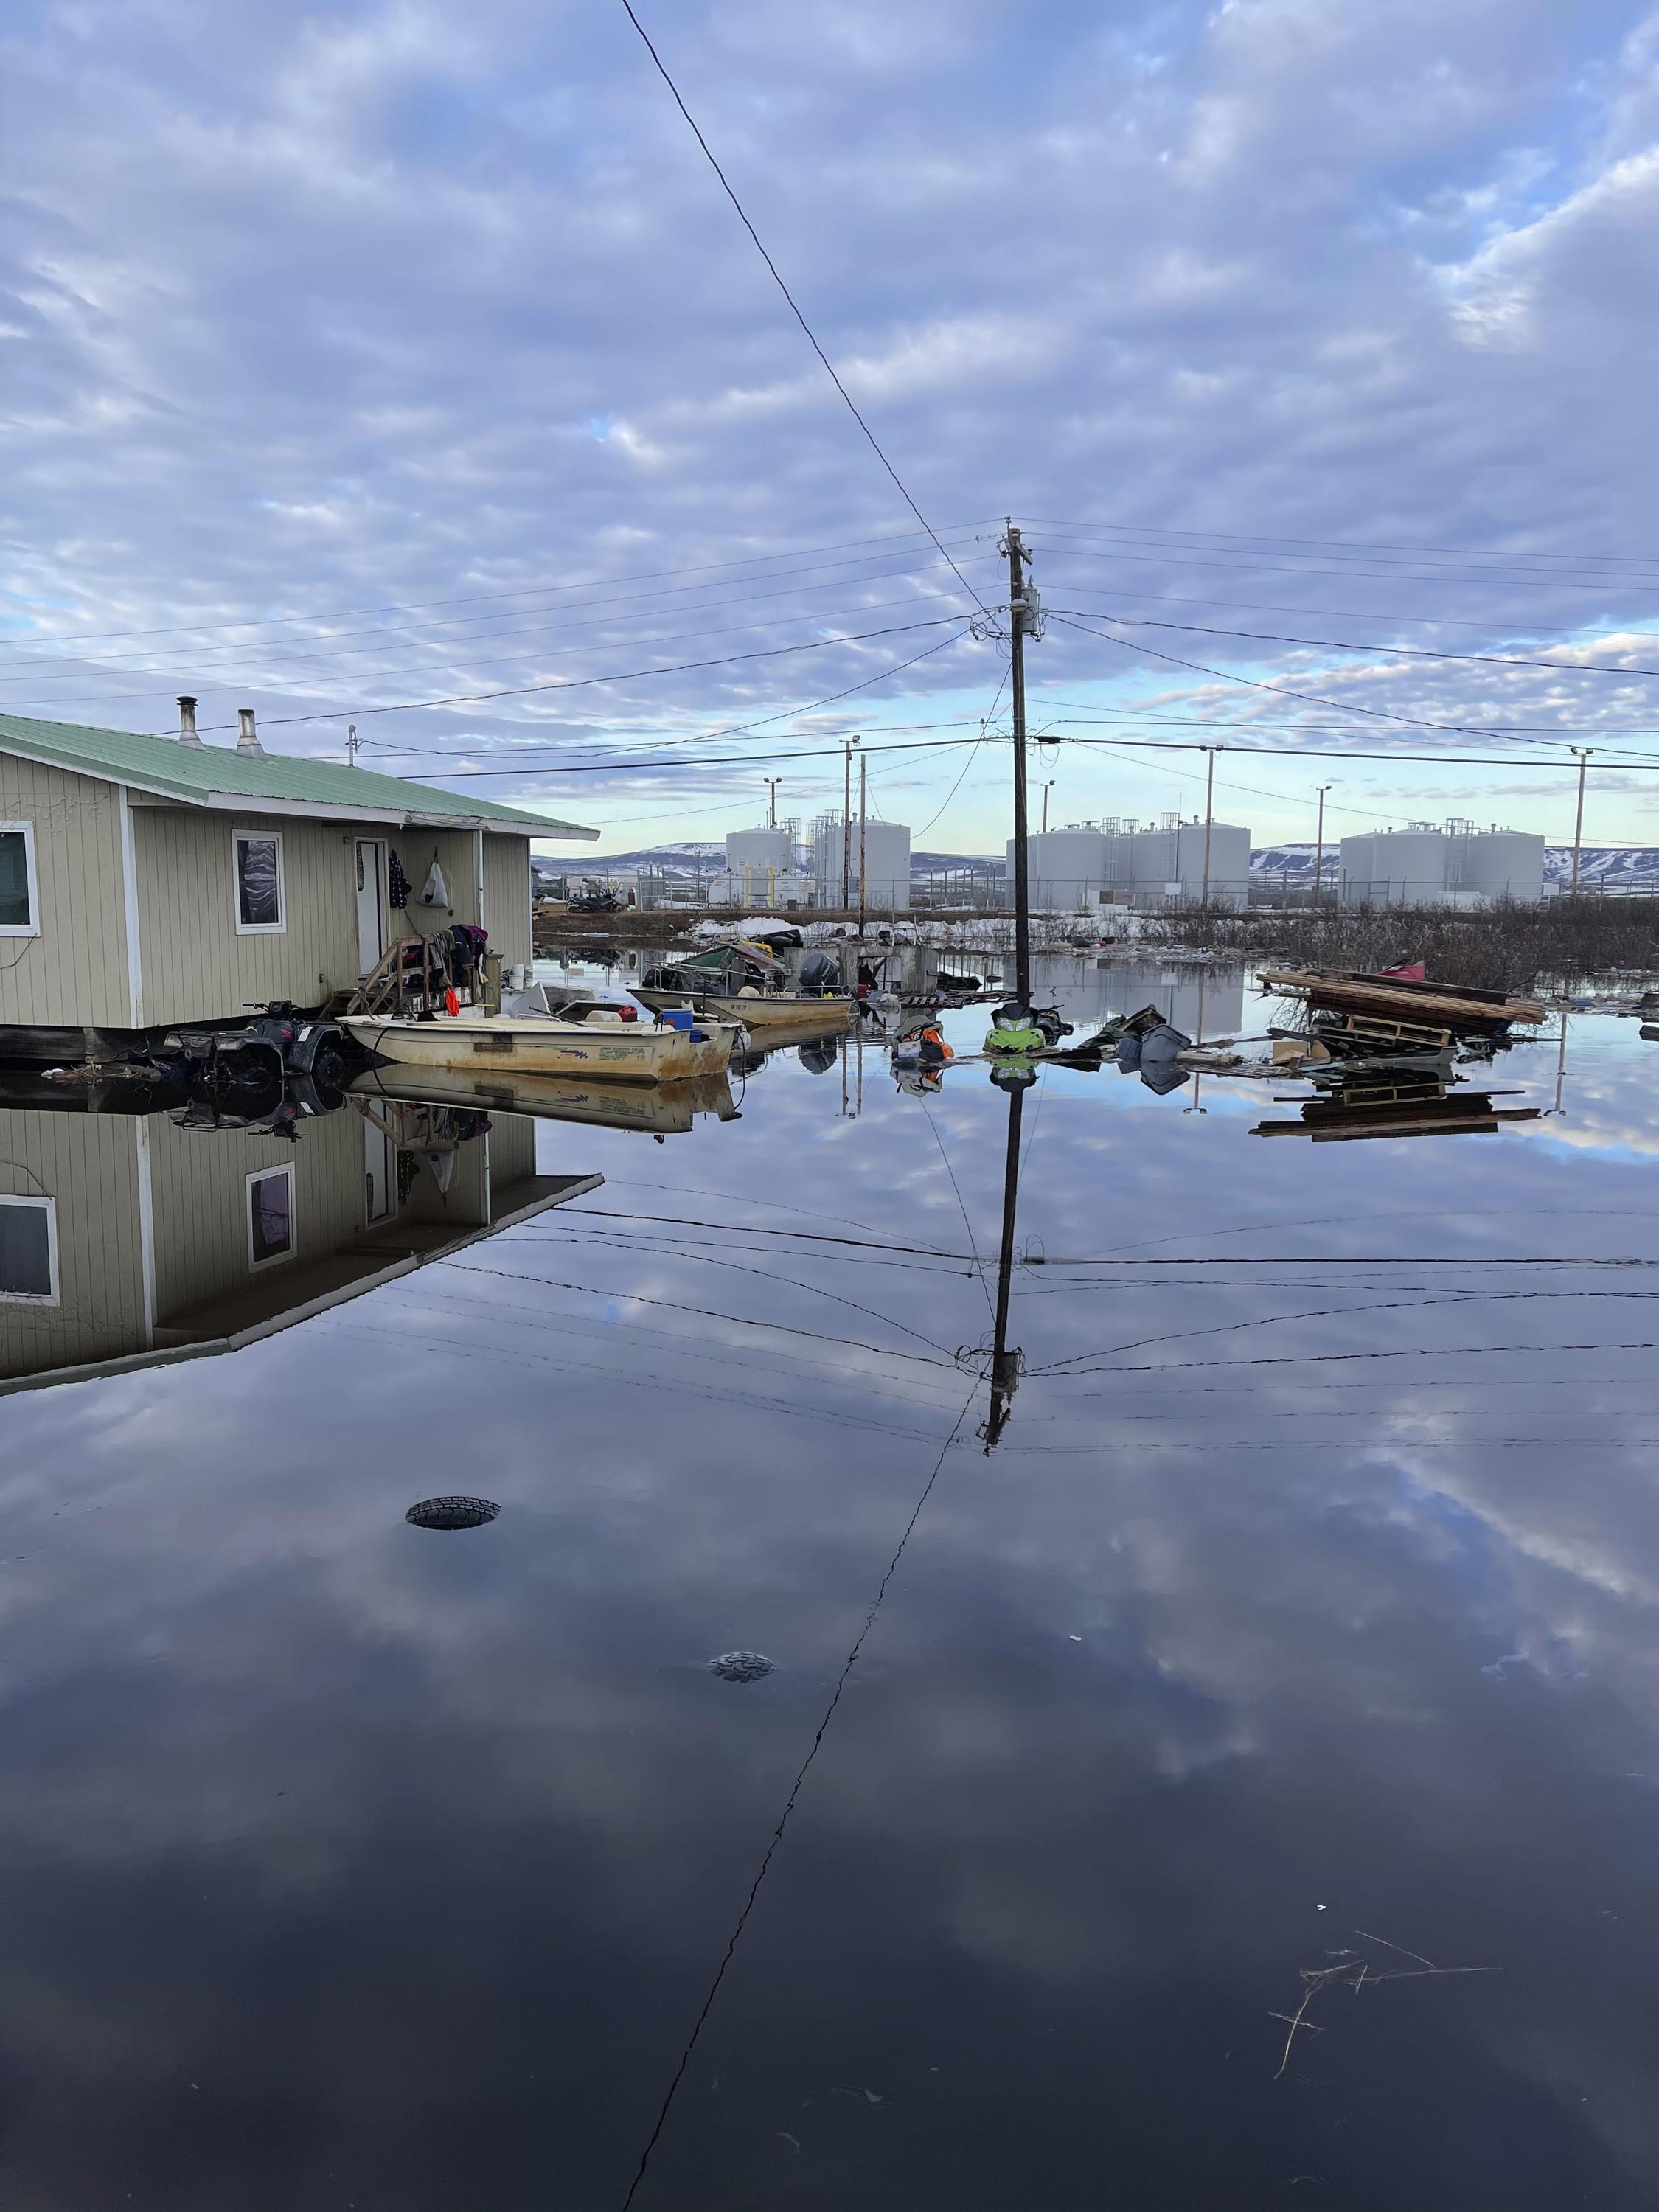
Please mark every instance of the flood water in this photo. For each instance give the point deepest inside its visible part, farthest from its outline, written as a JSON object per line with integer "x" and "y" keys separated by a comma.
{"x": 1301, "y": 1617}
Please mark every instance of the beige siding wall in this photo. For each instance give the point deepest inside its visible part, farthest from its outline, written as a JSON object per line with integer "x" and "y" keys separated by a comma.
{"x": 507, "y": 896}
{"x": 200, "y": 1183}
{"x": 196, "y": 966}
{"x": 456, "y": 854}
{"x": 76, "y": 971}
{"x": 88, "y": 1164}
{"x": 512, "y": 1150}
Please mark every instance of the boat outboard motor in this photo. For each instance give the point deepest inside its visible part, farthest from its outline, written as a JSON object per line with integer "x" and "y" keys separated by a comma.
{"x": 818, "y": 1057}
{"x": 819, "y": 972}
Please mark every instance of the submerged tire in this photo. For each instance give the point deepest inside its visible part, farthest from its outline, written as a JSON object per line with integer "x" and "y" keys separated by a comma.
{"x": 453, "y": 1512}
{"x": 742, "y": 1666}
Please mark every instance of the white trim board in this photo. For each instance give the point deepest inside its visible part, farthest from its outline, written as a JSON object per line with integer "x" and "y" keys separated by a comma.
{"x": 31, "y": 883}
{"x": 50, "y": 1295}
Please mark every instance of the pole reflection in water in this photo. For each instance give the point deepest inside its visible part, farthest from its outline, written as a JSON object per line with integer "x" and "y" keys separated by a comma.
{"x": 1006, "y": 1362}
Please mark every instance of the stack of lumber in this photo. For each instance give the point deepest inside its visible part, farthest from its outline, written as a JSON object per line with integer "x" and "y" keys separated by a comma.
{"x": 1452, "y": 1006}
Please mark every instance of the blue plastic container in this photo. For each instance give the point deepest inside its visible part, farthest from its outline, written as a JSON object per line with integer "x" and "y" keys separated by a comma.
{"x": 679, "y": 1018}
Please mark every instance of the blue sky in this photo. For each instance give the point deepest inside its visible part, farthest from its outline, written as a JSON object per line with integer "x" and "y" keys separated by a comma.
{"x": 372, "y": 354}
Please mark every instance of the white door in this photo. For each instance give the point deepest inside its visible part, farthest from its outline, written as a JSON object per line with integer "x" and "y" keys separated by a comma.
{"x": 371, "y": 902}
{"x": 379, "y": 1167}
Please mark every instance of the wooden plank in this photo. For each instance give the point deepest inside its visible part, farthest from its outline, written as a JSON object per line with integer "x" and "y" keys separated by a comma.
{"x": 1404, "y": 1003}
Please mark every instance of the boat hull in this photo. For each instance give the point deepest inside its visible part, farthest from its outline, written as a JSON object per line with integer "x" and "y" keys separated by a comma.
{"x": 815, "y": 1015}
{"x": 618, "y": 1052}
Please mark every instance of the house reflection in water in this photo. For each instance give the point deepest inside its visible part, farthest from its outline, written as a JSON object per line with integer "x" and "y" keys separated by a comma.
{"x": 127, "y": 1238}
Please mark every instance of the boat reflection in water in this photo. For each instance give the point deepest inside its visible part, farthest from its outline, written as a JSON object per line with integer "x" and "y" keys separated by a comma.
{"x": 662, "y": 1109}
{"x": 131, "y": 1235}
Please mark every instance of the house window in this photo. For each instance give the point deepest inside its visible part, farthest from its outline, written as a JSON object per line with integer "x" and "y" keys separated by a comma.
{"x": 260, "y": 908}
{"x": 20, "y": 898}
{"x": 29, "y": 1251}
{"x": 270, "y": 1216}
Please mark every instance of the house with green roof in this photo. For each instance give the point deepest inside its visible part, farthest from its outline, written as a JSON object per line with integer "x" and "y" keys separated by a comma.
{"x": 148, "y": 880}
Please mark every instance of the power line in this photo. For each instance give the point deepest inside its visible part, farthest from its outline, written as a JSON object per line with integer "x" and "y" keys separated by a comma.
{"x": 365, "y": 679}
{"x": 1347, "y": 545}
{"x": 585, "y": 682}
{"x": 1336, "y": 614}
{"x": 517, "y": 591}
{"x": 1284, "y": 691}
{"x": 1331, "y": 752}
{"x": 263, "y": 651}
{"x": 549, "y": 769}
{"x": 1347, "y": 645}
{"x": 1188, "y": 557}
{"x": 790, "y": 1802}
{"x": 794, "y": 310}
{"x": 967, "y": 763}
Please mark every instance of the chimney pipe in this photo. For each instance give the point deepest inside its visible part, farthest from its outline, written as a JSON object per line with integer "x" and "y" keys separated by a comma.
{"x": 187, "y": 722}
{"x": 247, "y": 737}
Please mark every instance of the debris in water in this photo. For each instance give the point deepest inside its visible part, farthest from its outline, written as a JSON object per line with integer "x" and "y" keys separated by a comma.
{"x": 453, "y": 1512}
{"x": 741, "y": 1666}
{"x": 1351, "y": 1970}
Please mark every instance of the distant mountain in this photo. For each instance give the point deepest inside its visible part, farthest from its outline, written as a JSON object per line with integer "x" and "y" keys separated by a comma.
{"x": 1612, "y": 867}
{"x": 677, "y": 858}
{"x": 683, "y": 858}
{"x": 1609, "y": 867}
{"x": 1292, "y": 860}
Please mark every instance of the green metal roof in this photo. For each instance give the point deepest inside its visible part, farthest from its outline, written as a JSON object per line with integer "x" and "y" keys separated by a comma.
{"x": 211, "y": 775}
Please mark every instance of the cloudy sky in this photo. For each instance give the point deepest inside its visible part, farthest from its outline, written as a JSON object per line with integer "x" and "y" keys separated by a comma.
{"x": 383, "y": 354}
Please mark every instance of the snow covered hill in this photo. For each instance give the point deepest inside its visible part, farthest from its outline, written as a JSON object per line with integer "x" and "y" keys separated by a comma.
{"x": 1603, "y": 867}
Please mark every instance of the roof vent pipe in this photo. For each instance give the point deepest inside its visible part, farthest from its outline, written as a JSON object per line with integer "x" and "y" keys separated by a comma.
{"x": 187, "y": 722}
{"x": 247, "y": 739}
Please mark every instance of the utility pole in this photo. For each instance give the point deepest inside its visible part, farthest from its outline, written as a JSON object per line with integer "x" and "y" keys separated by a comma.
{"x": 1209, "y": 815}
{"x": 1582, "y": 754}
{"x": 1047, "y": 788}
{"x": 1020, "y": 620}
{"x": 352, "y": 743}
{"x": 1319, "y": 856}
{"x": 772, "y": 783}
{"x": 846, "y": 825}
{"x": 863, "y": 808}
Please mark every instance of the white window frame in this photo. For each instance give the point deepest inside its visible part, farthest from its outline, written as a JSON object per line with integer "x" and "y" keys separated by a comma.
{"x": 272, "y": 1259}
{"x": 31, "y": 883}
{"x": 49, "y": 1207}
{"x": 279, "y": 927}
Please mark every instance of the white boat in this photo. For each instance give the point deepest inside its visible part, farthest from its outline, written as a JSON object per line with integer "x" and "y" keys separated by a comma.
{"x": 550, "y": 1044}
{"x": 768, "y": 1010}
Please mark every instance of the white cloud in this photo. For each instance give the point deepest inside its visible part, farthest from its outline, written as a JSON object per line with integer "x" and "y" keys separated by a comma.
{"x": 1288, "y": 267}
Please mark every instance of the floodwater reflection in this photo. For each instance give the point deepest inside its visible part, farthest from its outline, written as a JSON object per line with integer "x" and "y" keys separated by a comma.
{"x": 1308, "y": 1590}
